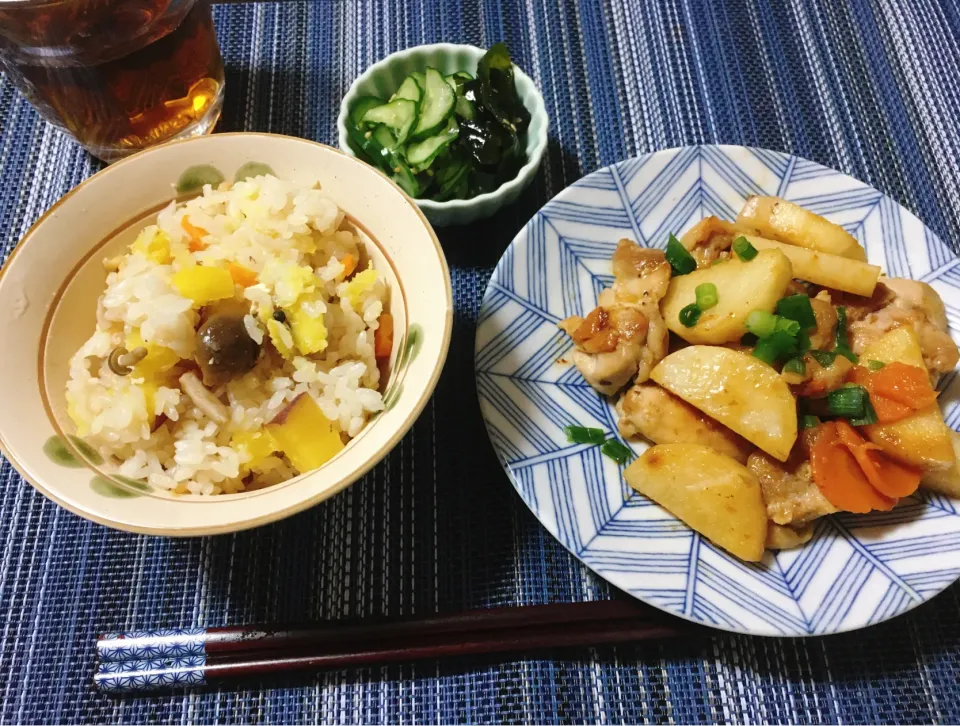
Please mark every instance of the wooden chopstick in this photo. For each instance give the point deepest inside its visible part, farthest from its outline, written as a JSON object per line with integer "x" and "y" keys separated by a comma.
{"x": 255, "y": 638}
{"x": 216, "y": 655}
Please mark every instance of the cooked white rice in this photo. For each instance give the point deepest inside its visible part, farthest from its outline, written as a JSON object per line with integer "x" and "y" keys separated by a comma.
{"x": 291, "y": 237}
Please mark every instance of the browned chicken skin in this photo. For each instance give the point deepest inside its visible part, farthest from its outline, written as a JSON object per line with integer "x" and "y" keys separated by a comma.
{"x": 625, "y": 336}
{"x": 826, "y": 317}
{"x": 609, "y": 344}
{"x": 709, "y": 240}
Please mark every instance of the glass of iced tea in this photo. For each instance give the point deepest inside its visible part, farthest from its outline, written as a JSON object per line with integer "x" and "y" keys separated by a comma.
{"x": 119, "y": 75}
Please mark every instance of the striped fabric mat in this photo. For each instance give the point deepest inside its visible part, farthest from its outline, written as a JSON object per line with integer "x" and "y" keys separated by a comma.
{"x": 870, "y": 87}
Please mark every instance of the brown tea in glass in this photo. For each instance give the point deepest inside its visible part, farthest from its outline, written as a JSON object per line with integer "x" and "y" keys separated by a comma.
{"x": 119, "y": 75}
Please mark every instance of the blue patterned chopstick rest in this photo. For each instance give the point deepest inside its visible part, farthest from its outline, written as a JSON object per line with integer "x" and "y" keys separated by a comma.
{"x": 151, "y": 644}
{"x": 134, "y": 676}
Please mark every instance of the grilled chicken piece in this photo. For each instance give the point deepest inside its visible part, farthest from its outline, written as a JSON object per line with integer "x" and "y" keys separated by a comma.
{"x": 656, "y": 414}
{"x": 640, "y": 274}
{"x": 906, "y": 302}
{"x": 625, "y": 336}
{"x": 780, "y": 537}
{"x": 820, "y": 381}
{"x": 609, "y": 344}
{"x": 791, "y": 496}
{"x": 826, "y": 316}
{"x": 709, "y": 239}
{"x": 641, "y": 277}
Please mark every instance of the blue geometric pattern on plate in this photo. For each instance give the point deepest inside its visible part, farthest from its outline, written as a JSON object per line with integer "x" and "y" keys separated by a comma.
{"x": 857, "y": 570}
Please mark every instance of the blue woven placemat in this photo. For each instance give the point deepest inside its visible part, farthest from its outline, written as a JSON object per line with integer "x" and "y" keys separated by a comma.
{"x": 870, "y": 88}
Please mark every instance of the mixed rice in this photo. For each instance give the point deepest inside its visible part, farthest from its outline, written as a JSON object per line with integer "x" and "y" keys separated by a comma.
{"x": 237, "y": 342}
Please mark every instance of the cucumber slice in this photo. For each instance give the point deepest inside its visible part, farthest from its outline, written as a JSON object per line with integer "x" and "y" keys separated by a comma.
{"x": 399, "y": 116}
{"x": 363, "y": 104}
{"x": 458, "y": 80}
{"x": 384, "y": 136}
{"x": 371, "y": 151}
{"x": 450, "y": 179}
{"x": 387, "y": 160}
{"x": 408, "y": 90}
{"x": 435, "y": 106}
{"x": 405, "y": 178}
{"x": 421, "y": 154}
{"x": 465, "y": 109}
{"x": 421, "y": 79}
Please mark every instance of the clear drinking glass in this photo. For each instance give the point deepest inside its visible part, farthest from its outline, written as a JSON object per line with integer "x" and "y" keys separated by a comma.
{"x": 119, "y": 75}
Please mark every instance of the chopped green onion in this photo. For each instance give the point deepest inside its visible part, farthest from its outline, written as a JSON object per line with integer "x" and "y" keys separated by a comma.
{"x": 842, "y": 346}
{"x": 680, "y": 260}
{"x": 841, "y": 334}
{"x": 581, "y": 435}
{"x": 790, "y": 327}
{"x": 845, "y": 351}
{"x": 848, "y": 402}
{"x": 707, "y": 296}
{"x": 774, "y": 347}
{"x": 869, "y": 415}
{"x": 761, "y": 323}
{"x": 798, "y": 307}
{"x": 616, "y": 451}
{"x": 823, "y": 357}
{"x": 795, "y": 365}
{"x": 875, "y": 365}
{"x": 743, "y": 249}
{"x": 808, "y": 421}
{"x": 690, "y": 315}
{"x": 765, "y": 351}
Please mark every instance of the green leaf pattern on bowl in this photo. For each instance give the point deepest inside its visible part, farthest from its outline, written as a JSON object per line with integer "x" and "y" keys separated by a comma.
{"x": 59, "y": 452}
{"x": 194, "y": 178}
{"x": 65, "y": 453}
{"x": 109, "y": 488}
{"x": 86, "y": 451}
{"x": 410, "y": 346}
{"x": 251, "y": 169}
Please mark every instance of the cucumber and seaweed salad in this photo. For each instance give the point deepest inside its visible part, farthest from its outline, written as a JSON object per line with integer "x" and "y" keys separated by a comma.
{"x": 446, "y": 137}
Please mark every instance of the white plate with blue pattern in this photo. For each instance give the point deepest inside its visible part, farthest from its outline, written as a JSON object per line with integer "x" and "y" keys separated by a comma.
{"x": 858, "y": 569}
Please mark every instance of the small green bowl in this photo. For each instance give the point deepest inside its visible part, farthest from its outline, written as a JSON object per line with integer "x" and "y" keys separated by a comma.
{"x": 383, "y": 78}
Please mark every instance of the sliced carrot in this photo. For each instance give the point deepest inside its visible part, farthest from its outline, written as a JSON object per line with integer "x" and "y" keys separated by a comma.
{"x": 383, "y": 337}
{"x": 887, "y": 409}
{"x": 195, "y": 243}
{"x": 243, "y": 276}
{"x": 887, "y": 476}
{"x": 349, "y": 263}
{"x": 904, "y": 384}
{"x": 839, "y": 477}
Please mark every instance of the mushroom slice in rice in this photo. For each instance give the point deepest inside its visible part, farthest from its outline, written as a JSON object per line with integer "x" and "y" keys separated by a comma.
{"x": 203, "y": 399}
